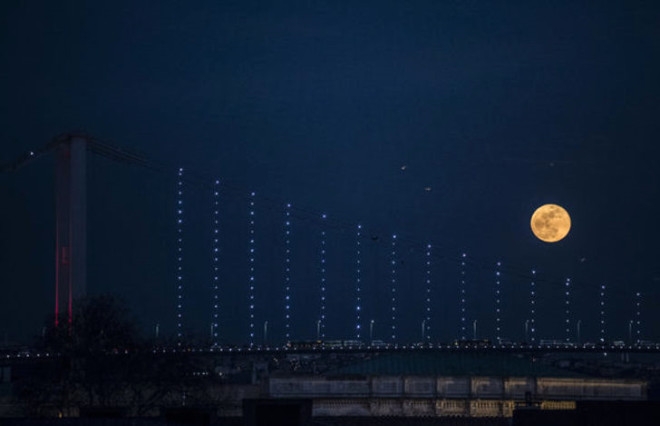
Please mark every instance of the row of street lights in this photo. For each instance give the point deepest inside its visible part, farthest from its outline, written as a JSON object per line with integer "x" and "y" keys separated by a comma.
{"x": 578, "y": 325}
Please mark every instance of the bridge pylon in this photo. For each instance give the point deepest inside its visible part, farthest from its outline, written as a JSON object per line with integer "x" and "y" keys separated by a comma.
{"x": 70, "y": 224}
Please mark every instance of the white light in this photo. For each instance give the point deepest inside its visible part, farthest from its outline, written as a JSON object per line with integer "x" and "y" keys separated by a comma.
{"x": 393, "y": 280}
{"x": 497, "y": 299}
{"x": 251, "y": 258}
{"x": 568, "y": 311}
{"x": 463, "y": 298}
{"x": 602, "y": 313}
{"x": 427, "y": 323}
{"x": 532, "y": 311}
{"x": 287, "y": 269}
{"x": 358, "y": 298}
{"x": 214, "y": 251}
{"x": 321, "y": 324}
{"x": 638, "y": 314}
{"x": 179, "y": 259}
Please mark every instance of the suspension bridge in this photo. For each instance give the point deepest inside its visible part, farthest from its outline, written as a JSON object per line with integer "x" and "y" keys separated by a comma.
{"x": 237, "y": 267}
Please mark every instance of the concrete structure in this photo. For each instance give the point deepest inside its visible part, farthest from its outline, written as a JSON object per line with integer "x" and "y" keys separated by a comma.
{"x": 70, "y": 224}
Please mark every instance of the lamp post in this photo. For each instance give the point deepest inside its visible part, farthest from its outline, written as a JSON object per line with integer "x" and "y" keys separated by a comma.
{"x": 474, "y": 330}
{"x": 527, "y": 331}
{"x": 371, "y": 331}
{"x": 318, "y": 330}
{"x": 265, "y": 333}
{"x": 577, "y": 326}
{"x": 423, "y": 329}
{"x": 630, "y": 324}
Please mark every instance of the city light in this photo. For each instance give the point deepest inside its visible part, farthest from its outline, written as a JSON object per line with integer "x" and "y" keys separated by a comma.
{"x": 567, "y": 305}
{"x": 323, "y": 283}
{"x": 532, "y": 308}
{"x": 179, "y": 257}
{"x": 602, "y": 313}
{"x": 393, "y": 261}
{"x": 427, "y": 323}
{"x": 638, "y": 315}
{"x": 251, "y": 277}
{"x": 215, "y": 258}
{"x": 287, "y": 271}
{"x": 463, "y": 297}
{"x": 358, "y": 283}
{"x": 498, "y": 309}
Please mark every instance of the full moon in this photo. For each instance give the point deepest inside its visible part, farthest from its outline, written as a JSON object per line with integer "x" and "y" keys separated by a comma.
{"x": 550, "y": 223}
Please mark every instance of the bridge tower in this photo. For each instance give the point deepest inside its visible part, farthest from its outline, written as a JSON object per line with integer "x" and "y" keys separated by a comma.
{"x": 71, "y": 208}
{"x": 70, "y": 224}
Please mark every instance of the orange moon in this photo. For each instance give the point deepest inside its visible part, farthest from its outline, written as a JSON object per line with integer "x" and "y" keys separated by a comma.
{"x": 550, "y": 223}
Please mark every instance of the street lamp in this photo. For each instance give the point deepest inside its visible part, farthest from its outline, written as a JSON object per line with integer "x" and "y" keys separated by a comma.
{"x": 474, "y": 329}
{"x": 371, "y": 330}
{"x": 423, "y": 329}
{"x": 577, "y": 326}
{"x": 630, "y": 324}
{"x": 318, "y": 330}
{"x": 526, "y": 331}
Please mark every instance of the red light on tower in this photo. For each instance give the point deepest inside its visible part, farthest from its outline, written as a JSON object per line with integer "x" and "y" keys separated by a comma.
{"x": 70, "y": 224}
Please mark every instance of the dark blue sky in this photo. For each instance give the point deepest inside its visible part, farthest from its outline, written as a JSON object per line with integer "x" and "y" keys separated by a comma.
{"x": 496, "y": 108}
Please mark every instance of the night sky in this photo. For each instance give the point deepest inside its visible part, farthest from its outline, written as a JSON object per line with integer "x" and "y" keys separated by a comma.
{"x": 443, "y": 122}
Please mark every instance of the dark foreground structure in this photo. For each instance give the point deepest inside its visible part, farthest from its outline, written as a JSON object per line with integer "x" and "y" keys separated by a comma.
{"x": 269, "y": 412}
{"x": 593, "y": 413}
{"x": 333, "y": 388}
